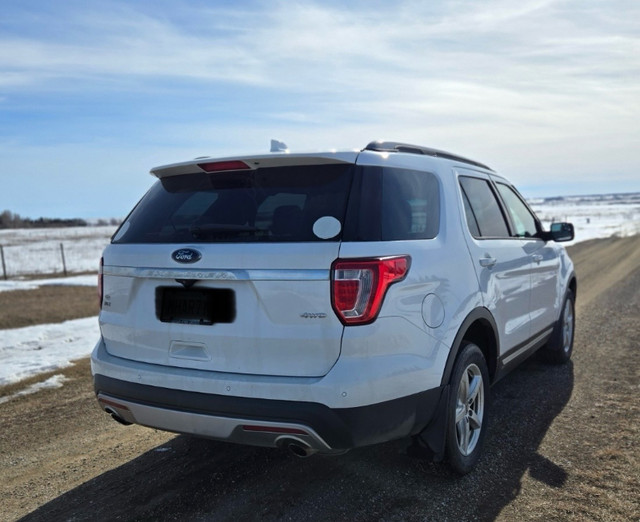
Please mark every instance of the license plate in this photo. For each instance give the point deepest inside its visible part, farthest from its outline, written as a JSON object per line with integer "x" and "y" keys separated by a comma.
{"x": 187, "y": 306}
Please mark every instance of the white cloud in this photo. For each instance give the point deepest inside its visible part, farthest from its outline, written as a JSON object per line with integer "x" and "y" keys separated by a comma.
{"x": 520, "y": 83}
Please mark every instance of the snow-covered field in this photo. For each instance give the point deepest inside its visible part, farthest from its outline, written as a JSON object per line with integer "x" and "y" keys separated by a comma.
{"x": 593, "y": 216}
{"x": 37, "y": 250}
{"x": 28, "y": 351}
{"x": 30, "y": 284}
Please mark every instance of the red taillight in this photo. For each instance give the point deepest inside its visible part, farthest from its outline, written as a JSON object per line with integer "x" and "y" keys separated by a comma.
{"x": 358, "y": 286}
{"x": 100, "y": 287}
{"x": 217, "y": 166}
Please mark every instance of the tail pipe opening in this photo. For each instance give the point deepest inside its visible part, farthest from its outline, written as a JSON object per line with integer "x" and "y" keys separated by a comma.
{"x": 296, "y": 447}
{"x": 117, "y": 418}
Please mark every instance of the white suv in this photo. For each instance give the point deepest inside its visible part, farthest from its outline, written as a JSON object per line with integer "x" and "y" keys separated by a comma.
{"x": 319, "y": 302}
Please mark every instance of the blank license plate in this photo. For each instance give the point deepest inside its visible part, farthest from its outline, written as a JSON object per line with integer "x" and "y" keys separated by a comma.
{"x": 196, "y": 306}
{"x": 187, "y": 306}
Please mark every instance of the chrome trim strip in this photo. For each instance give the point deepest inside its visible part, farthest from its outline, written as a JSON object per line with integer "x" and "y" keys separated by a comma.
{"x": 216, "y": 275}
{"x": 515, "y": 354}
{"x": 287, "y": 275}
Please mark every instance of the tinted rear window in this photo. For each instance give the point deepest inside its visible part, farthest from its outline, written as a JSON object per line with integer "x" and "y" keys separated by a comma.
{"x": 282, "y": 205}
{"x": 275, "y": 204}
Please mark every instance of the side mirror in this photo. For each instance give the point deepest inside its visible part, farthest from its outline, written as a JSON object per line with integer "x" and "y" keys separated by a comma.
{"x": 562, "y": 232}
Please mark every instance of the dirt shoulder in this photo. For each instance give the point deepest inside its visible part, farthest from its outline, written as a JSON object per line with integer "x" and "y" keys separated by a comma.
{"x": 562, "y": 444}
{"x": 48, "y": 304}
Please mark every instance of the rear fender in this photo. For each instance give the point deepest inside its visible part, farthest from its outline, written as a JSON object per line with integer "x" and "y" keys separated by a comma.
{"x": 479, "y": 327}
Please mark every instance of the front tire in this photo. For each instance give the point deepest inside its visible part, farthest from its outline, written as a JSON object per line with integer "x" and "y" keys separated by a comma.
{"x": 467, "y": 409}
{"x": 559, "y": 348}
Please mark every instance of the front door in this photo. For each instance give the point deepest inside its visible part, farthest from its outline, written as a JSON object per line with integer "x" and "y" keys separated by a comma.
{"x": 545, "y": 264}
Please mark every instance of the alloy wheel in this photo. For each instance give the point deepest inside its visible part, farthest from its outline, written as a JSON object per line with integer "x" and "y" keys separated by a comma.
{"x": 469, "y": 409}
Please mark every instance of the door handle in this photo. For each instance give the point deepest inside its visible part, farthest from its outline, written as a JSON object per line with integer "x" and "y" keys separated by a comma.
{"x": 537, "y": 258}
{"x": 488, "y": 262}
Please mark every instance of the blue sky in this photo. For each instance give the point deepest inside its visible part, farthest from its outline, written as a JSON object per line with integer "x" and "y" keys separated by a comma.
{"x": 94, "y": 94}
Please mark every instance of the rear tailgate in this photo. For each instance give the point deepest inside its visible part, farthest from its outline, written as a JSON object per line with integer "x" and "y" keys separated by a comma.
{"x": 273, "y": 317}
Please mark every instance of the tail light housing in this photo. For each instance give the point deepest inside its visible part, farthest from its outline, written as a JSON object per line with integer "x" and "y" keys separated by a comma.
{"x": 100, "y": 284}
{"x": 358, "y": 286}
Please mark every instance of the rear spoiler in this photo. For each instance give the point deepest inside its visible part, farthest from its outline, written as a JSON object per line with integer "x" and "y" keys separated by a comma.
{"x": 207, "y": 164}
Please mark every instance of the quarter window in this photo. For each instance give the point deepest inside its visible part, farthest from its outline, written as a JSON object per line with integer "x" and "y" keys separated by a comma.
{"x": 390, "y": 204}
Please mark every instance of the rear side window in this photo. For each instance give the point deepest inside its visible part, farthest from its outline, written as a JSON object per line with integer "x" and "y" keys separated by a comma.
{"x": 264, "y": 205}
{"x": 390, "y": 204}
{"x": 483, "y": 213}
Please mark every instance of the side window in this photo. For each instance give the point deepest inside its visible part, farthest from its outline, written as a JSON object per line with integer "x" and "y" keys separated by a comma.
{"x": 488, "y": 220}
{"x": 523, "y": 219}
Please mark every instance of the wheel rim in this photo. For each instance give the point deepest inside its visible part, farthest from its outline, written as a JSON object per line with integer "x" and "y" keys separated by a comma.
{"x": 469, "y": 409}
{"x": 567, "y": 326}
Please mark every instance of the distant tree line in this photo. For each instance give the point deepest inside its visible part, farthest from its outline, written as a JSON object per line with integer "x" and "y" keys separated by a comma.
{"x": 9, "y": 219}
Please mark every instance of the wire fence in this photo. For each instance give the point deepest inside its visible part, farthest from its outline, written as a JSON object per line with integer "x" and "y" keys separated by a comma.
{"x": 55, "y": 258}
{"x": 72, "y": 252}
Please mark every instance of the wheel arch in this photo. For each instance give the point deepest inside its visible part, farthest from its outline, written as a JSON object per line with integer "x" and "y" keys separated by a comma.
{"x": 480, "y": 328}
{"x": 573, "y": 284}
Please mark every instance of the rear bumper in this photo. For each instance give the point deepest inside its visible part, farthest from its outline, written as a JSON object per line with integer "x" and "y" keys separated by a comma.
{"x": 265, "y": 422}
{"x": 361, "y": 401}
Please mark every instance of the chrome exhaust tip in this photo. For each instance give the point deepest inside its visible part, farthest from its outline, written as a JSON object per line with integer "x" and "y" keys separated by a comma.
{"x": 117, "y": 417}
{"x": 296, "y": 447}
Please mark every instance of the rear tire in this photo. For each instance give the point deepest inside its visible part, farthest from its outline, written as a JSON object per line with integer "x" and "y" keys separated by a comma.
{"x": 559, "y": 348}
{"x": 467, "y": 409}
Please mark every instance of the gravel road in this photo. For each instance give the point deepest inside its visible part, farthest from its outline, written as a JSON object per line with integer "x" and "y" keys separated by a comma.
{"x": 563, "y": 444}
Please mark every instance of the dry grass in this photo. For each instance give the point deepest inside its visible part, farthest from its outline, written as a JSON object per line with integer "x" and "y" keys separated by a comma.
{"x": 47, "y": 304}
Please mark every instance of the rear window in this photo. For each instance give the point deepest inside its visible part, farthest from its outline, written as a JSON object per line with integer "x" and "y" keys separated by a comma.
{"x": 283, "y": 204}
{"x": 264, "y": 205}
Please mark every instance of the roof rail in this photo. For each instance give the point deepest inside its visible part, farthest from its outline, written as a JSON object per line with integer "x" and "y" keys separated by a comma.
{"x": 394, "y": 146}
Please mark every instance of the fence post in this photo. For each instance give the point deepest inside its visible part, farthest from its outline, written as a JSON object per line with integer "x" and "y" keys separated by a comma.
{"x": 4, "y": 266}
{"x": 64, "y": 264}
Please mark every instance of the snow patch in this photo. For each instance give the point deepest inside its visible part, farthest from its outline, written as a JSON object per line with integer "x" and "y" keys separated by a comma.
{"x": 37, "y": 349}
{"x": 52, "y": 382}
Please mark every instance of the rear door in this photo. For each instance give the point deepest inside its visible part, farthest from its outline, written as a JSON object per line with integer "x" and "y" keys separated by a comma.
{"x": 229, "y": 272}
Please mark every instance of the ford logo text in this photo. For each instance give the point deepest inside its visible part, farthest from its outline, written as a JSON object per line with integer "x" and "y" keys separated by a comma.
{"x": 186, "y": 255}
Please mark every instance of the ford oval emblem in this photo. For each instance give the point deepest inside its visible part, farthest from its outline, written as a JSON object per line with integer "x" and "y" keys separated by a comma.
{"x": 186, "y": 255}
